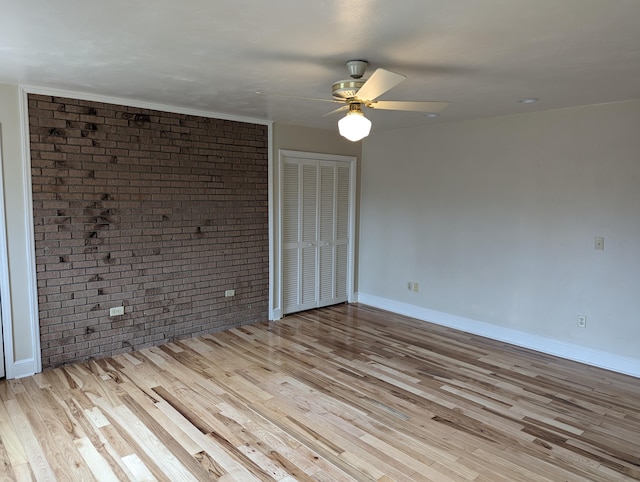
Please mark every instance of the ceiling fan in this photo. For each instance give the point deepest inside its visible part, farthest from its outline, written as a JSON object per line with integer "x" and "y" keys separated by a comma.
{"x": 357, "y": 93}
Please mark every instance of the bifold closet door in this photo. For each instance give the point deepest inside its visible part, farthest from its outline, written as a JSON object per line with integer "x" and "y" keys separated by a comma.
{"x": 333, "y": 238}
{"x": 300, "y": 205}
{"x": 315, "y": 233}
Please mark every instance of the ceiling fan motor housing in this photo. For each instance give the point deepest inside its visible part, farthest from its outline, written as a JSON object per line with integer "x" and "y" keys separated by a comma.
{"x": 346, "y": 89}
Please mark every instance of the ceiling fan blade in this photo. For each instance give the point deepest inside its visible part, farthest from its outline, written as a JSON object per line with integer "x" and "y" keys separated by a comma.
{"x": 380, "y": 81}
{"x": 335, "y": 111}
{"x": 296, "y": 96}
{"x": 425, "y": 106}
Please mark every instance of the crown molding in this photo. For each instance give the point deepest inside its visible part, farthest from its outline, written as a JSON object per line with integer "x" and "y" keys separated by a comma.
{"x": 141, "y": 104}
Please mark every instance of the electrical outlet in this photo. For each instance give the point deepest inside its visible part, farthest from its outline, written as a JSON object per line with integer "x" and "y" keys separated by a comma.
{"x": 416, "y": 286}
{"x": 582, "y": 321}
{"x": 229, "y": 293}
{"x": 116, "y": 311}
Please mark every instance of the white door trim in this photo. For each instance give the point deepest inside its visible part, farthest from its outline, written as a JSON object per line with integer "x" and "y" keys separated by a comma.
{"x": 32, "y": 365}
{"x": 6, "y": 352}
{"x": 275, "y": 210}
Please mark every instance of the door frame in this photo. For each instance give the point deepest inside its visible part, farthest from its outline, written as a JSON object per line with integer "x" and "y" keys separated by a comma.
{"x": 275, "y": 208}
{"x": 6, "y": 330}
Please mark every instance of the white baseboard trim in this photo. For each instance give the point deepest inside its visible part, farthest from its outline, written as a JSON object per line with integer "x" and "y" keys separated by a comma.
{"x": 24, "y": 368}
{"x": 589, "y": 356}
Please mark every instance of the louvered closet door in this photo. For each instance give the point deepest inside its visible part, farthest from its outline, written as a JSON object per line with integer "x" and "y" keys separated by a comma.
{"x": 315, "y": 233}
{"x": 299, "y": 235}
{"x": 334, "y": 230}
{"x": 343, "y": 195}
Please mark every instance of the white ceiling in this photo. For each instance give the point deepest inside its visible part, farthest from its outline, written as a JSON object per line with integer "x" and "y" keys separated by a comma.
{"x": 481, "y": 55}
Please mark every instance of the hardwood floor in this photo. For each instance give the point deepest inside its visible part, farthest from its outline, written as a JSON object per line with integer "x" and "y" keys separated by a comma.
{"x": 340, "y": 393}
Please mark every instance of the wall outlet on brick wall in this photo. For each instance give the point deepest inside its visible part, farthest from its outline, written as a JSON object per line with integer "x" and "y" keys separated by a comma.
{"x": 116, "y": 311}
{"x": 229, "y": 293}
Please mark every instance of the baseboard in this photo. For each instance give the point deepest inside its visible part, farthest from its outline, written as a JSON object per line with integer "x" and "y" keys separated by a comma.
{"x": 589, "y": 356}
{"x": 23, "y": 368}
{"x": 275, "y": 314}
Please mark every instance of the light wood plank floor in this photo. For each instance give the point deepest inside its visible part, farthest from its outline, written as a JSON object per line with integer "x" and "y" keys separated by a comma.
{"x": 337, "y": 394}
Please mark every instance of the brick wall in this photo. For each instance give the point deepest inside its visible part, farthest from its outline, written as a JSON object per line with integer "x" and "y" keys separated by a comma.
{"x": 155, "y": 211}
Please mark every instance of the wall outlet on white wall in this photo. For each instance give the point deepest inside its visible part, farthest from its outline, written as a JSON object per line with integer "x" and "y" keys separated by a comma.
{"x": 582, "y": 321}
{"x": 599, "y": 244}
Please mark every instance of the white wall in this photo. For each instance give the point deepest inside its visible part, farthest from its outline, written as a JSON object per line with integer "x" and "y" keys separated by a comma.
{"x": 496, "y": 220}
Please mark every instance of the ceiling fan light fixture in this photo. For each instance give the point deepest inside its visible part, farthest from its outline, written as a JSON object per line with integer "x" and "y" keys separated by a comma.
{"x": 354, "y": 126}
